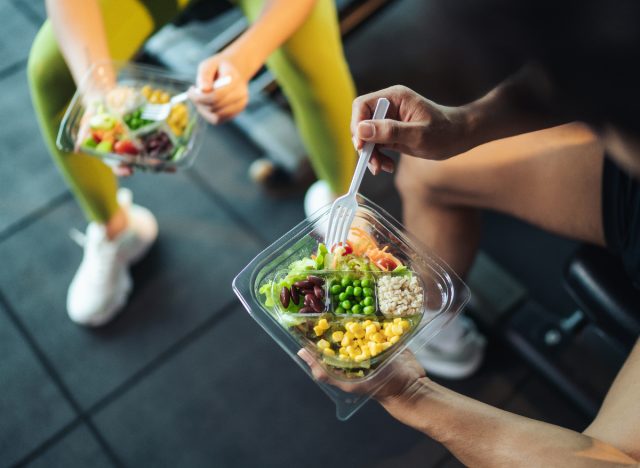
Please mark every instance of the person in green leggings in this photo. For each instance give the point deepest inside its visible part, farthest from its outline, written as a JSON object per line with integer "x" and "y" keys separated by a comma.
{"x": 299, "y": 42}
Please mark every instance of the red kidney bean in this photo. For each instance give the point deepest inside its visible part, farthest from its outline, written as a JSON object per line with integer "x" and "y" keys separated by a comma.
{"x": 285, "y": 296}
{"x": 308, "y": 291}
{"x": 295, "y": 295}
{"x": 314, "y": 302}
{"x": 306, "y": 310}
{"x": 316, "y": 280}
{"x": 318, "y": 292}
{"x": 303, "y": 284}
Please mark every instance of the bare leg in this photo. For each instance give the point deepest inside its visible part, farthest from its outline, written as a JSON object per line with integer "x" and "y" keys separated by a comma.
{"x": 550, "y": 178}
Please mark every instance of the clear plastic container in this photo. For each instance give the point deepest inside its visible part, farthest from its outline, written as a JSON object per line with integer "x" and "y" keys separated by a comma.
{"x": 443, "y": 297}
{"x": 95, "y": 95}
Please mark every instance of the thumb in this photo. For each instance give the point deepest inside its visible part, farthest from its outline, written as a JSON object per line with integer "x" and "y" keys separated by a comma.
{"x": 386, "y": 131}
{"x": 207, "y": 71}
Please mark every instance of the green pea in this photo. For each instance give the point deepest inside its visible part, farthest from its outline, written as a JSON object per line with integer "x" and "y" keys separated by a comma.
{"x": 345, "y": 281}
{"x": 368, "y": 310}
{"x": 368, "y": 292}
{"x": 346, "y": 304}
{"x": 339, "y": 310}
{"x": 335, "y": 289}
{"x": 357, "y": 291}
{"x": 355, "y": 309}
{"x": 366, "y": 283}
{"x": 343, "y": 296}
{"x": 349, "y": 290}
{"x": 356, "y": 283}
{"x": 368, "y": 301}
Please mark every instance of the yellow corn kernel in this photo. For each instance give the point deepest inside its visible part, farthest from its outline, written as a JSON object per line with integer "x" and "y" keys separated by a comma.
{"x": 365, "y": 352}
{"x": 350, "y": 335}
{"x": 155, "y": 96}
{"x": 387, "y": 332}
{"x": 351, "y": 350}
{"x": 323, "y": 344}
{"x": 362, "y": 343}
{"x": 360, "y": 358}
{"x": 343, "y": 357}
{"x": 377, "y": 324}
{"x": 386, "y": 345}
{"x": 319, "y": 330}
{"x": 378, "y": 338}
{"x": 346, "y": 340}
{"x": 371, "y": 329}
{"x": 343, "y": 351}
{"x": 397, "y": 329}
{"x": 323, "y": 324}
{"x": 163, "y": 97}
{"x": 366, "y": 323}
{"x": 394, "y": 339}
{"x": 360, "y": 333}
{"x": 397, "y": 320}
{"x": 146, "y": 91}
{"x": 373, "y": 349}
{"x": 405, "y": 325}
{"x": 379, "y": 348}
{"x": 357, "y": 327}
{"x": 328, "y": 352}
{"x": 349, "y": 326}
{"x": 337, "y": 336}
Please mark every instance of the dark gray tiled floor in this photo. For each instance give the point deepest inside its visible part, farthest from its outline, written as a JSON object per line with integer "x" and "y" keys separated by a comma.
{"x": 33, "y": 10}
{"x": 16, "y": 36}
{"x": 28, "y": 178}
{"x": 78, "y": 448}
{"x": 224, "y": 163}
{"x": 32, "y": 408}
{"x": 535, "y": 399}
{"x": 198, "y": 253}
{"x": 211, "y": 418}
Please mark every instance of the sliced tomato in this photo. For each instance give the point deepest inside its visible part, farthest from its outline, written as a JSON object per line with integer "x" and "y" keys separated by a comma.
{"x": 97, "y": 135}
{"x": 125, "y": 147}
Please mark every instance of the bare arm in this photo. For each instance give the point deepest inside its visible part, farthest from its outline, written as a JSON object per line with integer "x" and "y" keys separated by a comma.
{"x": 80, "y": 32}
{"x": 481, "y": 435}
{"x": 425, "y": 129}
{"x": 278, "y": 21}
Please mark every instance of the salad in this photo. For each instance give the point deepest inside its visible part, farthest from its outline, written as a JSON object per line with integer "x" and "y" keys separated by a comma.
{"x": 351, "y": 304}
{"x": 113, "y": 124}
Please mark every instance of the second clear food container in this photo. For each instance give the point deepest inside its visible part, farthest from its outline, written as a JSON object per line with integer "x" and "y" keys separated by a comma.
{"x": 353, "y": 316}
{"x": 104, "y": 118}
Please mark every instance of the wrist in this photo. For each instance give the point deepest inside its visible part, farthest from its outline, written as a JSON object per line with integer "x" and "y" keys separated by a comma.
{"x": 404, "y": 406}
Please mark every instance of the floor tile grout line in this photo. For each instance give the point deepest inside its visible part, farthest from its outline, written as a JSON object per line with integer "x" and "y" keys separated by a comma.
{"x": 226, "y": 207}
{"x": 161, "y": 358}
{"x": 13, "y": 68}
{"x": 35, "y": 215}
{"x": 49, "y": 442}
{"x": 55, "y": 376}
{"x": 26, "y": 11}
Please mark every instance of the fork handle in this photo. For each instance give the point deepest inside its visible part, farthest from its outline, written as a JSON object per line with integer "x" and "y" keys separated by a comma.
{"x": 365, "y": 153}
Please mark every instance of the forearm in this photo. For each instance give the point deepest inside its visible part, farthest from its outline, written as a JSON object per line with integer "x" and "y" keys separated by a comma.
{"x": 481, "y": 435}
{"x": 80, "y": 32}
{"x": 521, "y": 104}
{"x": 278, "y": 20}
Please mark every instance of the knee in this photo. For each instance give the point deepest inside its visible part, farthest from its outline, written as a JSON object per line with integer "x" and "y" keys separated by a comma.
{"x": 423, "y": 180}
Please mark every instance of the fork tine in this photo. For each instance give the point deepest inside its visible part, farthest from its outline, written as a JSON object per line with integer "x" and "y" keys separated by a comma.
{"x": 346, "y": 224}
{"x": 344, "y": 214}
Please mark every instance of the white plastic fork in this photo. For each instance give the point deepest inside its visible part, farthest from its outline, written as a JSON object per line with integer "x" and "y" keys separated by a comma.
{"x": 344, "y": 208}
{"x": 161, "y": 111}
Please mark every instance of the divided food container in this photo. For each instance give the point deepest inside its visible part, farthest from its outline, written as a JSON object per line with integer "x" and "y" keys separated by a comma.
{"x": 104, "y": 118}
{"x": 426, "y": 295}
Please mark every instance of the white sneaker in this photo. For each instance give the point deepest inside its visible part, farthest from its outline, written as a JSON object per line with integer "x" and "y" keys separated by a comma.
{"x": 318, "y": 196}
{"x": 455, "y": 353}
{"x": 101, "y": 286}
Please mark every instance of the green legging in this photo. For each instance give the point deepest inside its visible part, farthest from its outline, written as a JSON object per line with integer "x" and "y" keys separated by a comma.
{"x": 310, "y": 67}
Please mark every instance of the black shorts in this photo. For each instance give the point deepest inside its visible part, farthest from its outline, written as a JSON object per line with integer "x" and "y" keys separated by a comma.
{"x": 621, "y": 216}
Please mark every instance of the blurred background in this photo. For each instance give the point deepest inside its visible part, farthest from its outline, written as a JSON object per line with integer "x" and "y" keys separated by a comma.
{"x": 184, "y": 377}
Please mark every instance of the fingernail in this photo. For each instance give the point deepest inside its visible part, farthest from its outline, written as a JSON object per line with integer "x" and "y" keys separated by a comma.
{"x": 387, "y": 166}
{"x": 366, "y": 130}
